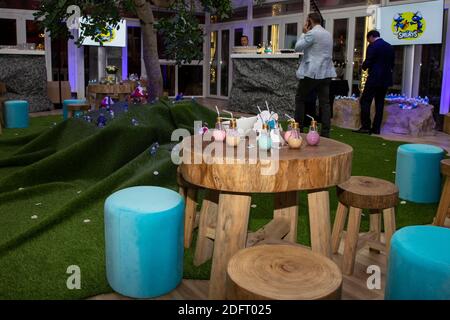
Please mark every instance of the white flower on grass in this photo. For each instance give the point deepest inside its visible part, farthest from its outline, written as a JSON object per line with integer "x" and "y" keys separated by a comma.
{"x": 253, "y": 205}
{"x": 34, "y": 217}
{"x": 20, "y": 189}
{"x": 403, "y": 202}
{"x": 79, "y": 191}
{"x": 155, "y": 173}
{"x": 38, "y": 204}
{"x": 86, "y": 220}
{"x": 393, "y": 172}
{"x": 383, "y": 144}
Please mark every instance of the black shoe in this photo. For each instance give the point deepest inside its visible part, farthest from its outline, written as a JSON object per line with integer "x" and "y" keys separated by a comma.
{"x": 365, "y": 131}
{"x": 373, "y": 131}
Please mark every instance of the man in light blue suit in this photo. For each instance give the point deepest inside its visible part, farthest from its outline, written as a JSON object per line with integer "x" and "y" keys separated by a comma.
{"x": 315, "y": 71}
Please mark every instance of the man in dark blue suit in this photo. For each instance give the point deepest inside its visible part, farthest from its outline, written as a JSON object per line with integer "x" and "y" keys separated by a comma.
{"x": 380, "y": 59}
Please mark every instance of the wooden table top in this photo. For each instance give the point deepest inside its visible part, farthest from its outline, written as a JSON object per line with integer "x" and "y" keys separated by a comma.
{"x": 112, "y": 89}
{"x": 310, "y": 168}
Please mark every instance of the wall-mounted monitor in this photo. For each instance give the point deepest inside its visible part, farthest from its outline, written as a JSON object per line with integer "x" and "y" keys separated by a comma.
{"x": 415, "y": 23}
{"x": 114, "y": 37}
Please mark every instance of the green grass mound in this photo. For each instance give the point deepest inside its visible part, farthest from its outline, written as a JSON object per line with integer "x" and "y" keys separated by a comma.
{"x": 55, "y": 177}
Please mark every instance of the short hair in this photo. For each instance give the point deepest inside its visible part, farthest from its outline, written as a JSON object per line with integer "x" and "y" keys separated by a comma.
{"x": 244, "y": 36}
{"x": 373, "y": 33}
{"x": 315, "y": 17}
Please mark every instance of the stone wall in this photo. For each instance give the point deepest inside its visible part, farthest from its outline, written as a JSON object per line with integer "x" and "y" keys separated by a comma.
{"x": 258, "y": 80}
{"x": 25, "y": 77}
{"x": 415, "y": 122}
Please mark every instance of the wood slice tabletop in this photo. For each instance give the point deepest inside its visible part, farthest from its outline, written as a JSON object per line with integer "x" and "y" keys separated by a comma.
{"x": 214, "y": 165}
{"x": 111, "y": 89}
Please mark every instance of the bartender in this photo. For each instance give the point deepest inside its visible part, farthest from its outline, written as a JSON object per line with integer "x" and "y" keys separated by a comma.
{"x": 244, "y": 40}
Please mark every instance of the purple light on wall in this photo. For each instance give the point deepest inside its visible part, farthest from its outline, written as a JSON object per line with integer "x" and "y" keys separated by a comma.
{"x": 445, "y": 91}
{"x": 72, "y": 64}
{"x": 125, "y": 62}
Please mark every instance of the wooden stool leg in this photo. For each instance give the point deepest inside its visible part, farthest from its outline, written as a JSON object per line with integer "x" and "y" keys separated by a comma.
{"x": 375, "y": 227}
{"x": 231, "y": 236}
{"x": 208, "y": 216}
{"x": 182, "y": 191}
{"x": 389, "y": 227}
{"x": 338, "y": 227}
{"x": 286, "y": 207}
{"x": 189, "y": 216}
{"x": 444, "y": 204}
{"x": 319, "y": 220}
{"x": 351, "y": 240}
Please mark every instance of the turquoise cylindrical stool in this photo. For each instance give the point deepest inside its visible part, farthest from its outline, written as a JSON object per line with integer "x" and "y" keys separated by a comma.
{"x": 144, "y": 241}
{"x": 70, "y": 101}
{"x": 419, "y": 264}
{"x": 16, "y": 114}
{"x": 418, "y": 175}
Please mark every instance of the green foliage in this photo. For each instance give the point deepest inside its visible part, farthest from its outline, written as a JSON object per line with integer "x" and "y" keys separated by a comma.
{"x": 182, "y": 35}
{"x": 221, "y": 8}
{"x": 99, "y": 15}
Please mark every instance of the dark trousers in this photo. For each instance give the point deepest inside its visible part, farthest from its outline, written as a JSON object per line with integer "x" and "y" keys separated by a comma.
{"x": 367, "y": 97}
{"x": 305, "y": 87}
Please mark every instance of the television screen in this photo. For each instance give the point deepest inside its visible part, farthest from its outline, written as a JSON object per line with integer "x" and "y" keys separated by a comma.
{"x": 114, "y": 37}
{"x": 415, "y": 23}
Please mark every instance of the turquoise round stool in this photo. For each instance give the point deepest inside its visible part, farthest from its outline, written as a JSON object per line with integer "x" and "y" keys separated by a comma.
{"x": 144, "y": 241}
{"x": 16, "y": 114}
{"x": 418, "y": 175}
{"x": 419, "y": 264}
{"x": 70, "y": 101}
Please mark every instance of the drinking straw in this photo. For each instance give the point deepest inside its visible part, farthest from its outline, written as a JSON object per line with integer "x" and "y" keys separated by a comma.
{"x": 289, "y": 117}
{"x": 267, "y": 106}
{"x": 218, "y": 113}
{"x": 310, "y": 117}
{"x": 230, "y": 113}
{"x": 259, "y": 110}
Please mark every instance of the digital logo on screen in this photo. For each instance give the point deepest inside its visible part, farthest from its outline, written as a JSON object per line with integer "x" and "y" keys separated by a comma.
{"x": 408, "y": 25}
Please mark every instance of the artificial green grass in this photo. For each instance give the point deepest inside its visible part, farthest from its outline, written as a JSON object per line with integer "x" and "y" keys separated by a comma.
{"x": 63, "y": 171}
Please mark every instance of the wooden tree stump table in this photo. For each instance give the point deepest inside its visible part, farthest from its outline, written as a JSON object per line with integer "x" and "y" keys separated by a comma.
{"x": 231, "y": 175}
{"x": 96, "y": 92}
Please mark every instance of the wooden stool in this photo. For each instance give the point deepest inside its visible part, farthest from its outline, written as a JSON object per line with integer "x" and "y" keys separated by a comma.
{"x": 72, "y": 108}
{"x": 444, "y": 204}
{"x": 189, "y": 192}
{"x": 282, "y": 272}
{"x": 364, "y": 193}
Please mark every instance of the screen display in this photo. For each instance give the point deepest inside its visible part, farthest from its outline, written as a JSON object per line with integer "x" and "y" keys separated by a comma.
{"x": 114, "y": 37}
{"x": 415, "y": 23}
